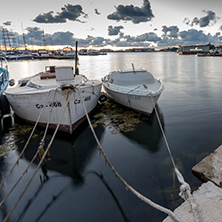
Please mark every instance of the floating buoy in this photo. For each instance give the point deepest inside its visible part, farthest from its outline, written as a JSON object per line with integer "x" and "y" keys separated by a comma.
{"x": 4, "y": 105}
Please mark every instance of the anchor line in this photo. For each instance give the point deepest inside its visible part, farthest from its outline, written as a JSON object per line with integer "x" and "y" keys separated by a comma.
{"x": 185, "y": 190}
{"x": 127, "y": 186}
{"x": 41, "y": 145}
{"x": 27, "y": 142}
{"x": 40, "y": 162}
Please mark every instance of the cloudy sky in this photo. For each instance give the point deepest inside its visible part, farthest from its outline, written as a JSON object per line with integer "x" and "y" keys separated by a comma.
{"x": 117, "y": 23}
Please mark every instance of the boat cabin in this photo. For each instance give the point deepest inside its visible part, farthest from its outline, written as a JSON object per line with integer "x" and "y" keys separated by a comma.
{"x": 61, "y": 73}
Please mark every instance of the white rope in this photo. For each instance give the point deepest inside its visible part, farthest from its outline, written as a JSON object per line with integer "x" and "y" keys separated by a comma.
{"x": 41, "y": 145}
{"x": 40, "y": 162}
{"x": 127, "y": 186}
{"x": 185, "y": 190}
{"x": 27, "y": 142}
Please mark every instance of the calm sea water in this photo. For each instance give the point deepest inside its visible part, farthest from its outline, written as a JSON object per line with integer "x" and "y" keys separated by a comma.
{"x": 80, "y": 185}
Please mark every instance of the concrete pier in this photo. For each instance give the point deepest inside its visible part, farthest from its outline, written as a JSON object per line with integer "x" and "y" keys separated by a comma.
{"x": 210, "y": 168}
{"x": 208, "y": 199}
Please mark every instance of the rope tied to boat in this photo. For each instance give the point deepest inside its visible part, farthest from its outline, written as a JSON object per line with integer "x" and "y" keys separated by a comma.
{"x": 41, "y": 161}
{"x": 26, "y": 145}
{"x": 41, "y": 147}
{"x": 185, "y": 190}
{"x": 117, "y": 175}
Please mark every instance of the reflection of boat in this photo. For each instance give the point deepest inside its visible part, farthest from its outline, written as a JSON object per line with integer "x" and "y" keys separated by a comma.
{"x": 147, "y": 133}
{"x": 69, "y": 156}
{"x": 101, "y": 177}
{"x": 136, "y": 89}
{"x": 56, "y": 92}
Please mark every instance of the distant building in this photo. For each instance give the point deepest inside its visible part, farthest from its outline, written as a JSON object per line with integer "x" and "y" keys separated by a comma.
{"x": 195, "y": 49}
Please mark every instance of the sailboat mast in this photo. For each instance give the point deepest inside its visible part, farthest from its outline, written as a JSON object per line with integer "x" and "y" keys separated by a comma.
{"x": 3, "y": 35}
{"x": 9, "y": 42}
{"x": 24, "y": 37}
{"x": 43, "y": 38}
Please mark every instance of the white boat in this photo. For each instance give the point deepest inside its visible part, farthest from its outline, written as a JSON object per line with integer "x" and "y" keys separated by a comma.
{"x": 52, "y": 91}
{"x": 136, "y": 89}
{"x": 92, "y": 52}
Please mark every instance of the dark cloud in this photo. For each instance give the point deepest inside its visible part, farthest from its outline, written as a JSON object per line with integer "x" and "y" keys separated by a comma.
{"x": 193, "y": 36}
{"x": 204, "y": 21}
{"x": 186, "y": 21}
{"x": 7, "y": 23}
{"x": 36, "y": 36}
{"x": 133, "y": 13}
{"x": 97, "y": 12}
{"x": 146, "y": 37}
{"x": 69, "y": 12}
{"x": 114, "y": 30}
{"x": 63, "y": 38}
{"x": 93, "y": 41}
{"x": 171, "y": 31}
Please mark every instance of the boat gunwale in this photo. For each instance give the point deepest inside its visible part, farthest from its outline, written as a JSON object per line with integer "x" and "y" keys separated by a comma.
{"x": 133, "y": 91}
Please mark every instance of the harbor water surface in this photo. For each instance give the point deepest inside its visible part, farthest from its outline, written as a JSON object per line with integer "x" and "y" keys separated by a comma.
{"x": 79, "y": 185}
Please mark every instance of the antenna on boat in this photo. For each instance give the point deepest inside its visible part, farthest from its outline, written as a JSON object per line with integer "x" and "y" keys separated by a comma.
{"x": 24, "y": 37}
{"x": 133, "y": 67}
{"x": 76, "y": 60}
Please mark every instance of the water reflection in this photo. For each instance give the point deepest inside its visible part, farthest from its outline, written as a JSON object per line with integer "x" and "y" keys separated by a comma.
{"x": 101, "y": 177}
{"x": 68, "y": 155}
{"x": 138, "y": 128}
{"x": 147, "y": 133}
{"x": 35, "y": 195}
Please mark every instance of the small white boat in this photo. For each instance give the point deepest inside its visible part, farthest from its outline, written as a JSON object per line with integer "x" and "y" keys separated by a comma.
{"x": 136, "y": 89}
{"x": 92, "y": 52}
{"x": 52, "y": 91}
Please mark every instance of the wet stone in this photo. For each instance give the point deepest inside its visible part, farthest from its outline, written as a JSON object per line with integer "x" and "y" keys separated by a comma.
{"x": 208, "y": 199}
{"x": 210, "y": 168}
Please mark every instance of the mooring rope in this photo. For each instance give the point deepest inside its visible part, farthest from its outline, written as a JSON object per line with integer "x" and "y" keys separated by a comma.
{"x": 41, "y": 145}
{"x": 127, "y": 186}
{"x": 40, "y": 162}
{"x": 26, "y": 145}
{"x": 185, "y": 190}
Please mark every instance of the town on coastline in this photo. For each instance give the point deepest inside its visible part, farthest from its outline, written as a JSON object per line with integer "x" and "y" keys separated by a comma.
{"x": 68, "y": 52}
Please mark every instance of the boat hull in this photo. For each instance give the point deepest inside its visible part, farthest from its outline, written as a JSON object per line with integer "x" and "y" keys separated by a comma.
{"x": 52, "y": 105}
{"x": 138, "y": 102}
